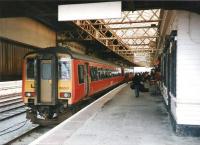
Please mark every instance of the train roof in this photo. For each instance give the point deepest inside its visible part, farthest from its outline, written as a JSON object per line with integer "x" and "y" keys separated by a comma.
{"x": 73, "y": 54}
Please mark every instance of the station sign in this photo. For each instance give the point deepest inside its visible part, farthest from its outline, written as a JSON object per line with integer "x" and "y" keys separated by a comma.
{"x": 89, "y": 11}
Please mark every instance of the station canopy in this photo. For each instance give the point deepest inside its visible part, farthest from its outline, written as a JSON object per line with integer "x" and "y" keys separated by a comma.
{"x": 133, "y": 36}
{"x": 138, "y": 32}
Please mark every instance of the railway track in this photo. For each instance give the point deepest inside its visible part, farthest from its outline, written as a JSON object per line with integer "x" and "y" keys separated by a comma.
{"x": 10, "y": 106}
{"x": 30, "y": 133}
{"x": 8, "y": 88}
{"x": 26, "y": 133}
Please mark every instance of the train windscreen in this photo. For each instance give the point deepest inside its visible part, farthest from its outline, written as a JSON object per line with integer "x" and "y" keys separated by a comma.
{"x": 64, "y": 70}
{"x": 30, "y": 68}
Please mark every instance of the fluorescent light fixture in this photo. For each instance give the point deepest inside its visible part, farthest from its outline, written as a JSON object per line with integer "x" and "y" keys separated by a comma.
{"x": 103, "y": 10}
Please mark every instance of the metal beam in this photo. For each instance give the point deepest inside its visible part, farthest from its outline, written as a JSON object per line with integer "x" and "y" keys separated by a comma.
{"x": 135, "y": 44}
{"x": 126, "y": 28}
{"x": 137, "y": 37}
{"x": 140, "y": 44}
{"x": 137, "y": 50}
{"x": 126, "y": 22}
{"x": 88, "y": 27}
{"x": 67, "y": 36}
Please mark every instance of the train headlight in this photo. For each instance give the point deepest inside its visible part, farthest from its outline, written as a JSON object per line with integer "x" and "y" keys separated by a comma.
{"x": 65, "y": 95}
{"x": 30, "y": 94}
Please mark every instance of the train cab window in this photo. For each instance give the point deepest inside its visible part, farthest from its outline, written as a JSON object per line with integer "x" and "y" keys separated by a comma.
{"x": 64, "y": 70}
{"x": 30, "y": 68}
{"x": 46, "y": 71}
{"x": 81, "y": 74}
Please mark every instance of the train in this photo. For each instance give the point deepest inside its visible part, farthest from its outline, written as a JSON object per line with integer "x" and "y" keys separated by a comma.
{"x": 56, "y": 79}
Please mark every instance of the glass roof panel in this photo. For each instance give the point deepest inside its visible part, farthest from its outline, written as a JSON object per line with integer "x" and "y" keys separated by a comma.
{"x": 136, "y": 30}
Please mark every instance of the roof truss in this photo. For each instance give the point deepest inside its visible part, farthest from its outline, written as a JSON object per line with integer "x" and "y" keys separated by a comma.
{"x": 135, "y": 32}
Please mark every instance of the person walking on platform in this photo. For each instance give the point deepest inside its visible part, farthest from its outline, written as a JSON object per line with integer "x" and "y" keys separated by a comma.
{"x": 136, "y": 82}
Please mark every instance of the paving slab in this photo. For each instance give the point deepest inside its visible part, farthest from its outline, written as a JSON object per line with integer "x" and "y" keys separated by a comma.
{"x": 122, "y": 120}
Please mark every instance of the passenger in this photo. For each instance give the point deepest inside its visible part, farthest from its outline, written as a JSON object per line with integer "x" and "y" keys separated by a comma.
{"x": 136, "y": 82}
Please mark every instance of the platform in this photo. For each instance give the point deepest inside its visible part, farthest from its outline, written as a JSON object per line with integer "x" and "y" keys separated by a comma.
{"x": 118, "y": 118}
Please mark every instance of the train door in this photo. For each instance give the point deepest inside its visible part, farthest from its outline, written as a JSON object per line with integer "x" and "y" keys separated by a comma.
{"x": 46, "y": 81}
{"x": 87, "y": 80}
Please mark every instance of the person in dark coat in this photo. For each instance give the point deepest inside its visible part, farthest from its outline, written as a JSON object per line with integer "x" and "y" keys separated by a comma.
{"x": 136, "y": 82}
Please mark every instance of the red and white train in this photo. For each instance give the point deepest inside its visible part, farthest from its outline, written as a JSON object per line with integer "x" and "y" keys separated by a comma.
{"x": 56, "y": 78}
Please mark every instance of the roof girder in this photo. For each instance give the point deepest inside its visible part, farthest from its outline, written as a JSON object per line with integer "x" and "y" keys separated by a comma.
{"x": 123, "y": 45}
{"x": 126, "y": 22}
{"x": 132, "y": 26}
{"x": 78, "y": 35}
{"x": 88, "y": 27}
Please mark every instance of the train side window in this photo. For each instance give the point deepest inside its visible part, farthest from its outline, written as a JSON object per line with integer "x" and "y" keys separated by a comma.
{"x": 64, "y": 70}
{"x": 110, "y": 73}
{"x": 93, "y": 73}
{"x": 119, "y": 72}
{"x": 114, "y": 73}
{"x": 30, "y": 68}
{"x": 99, "y": 73}
{"x": 105, "y": 73}
{"x": 106, "y": 70}
{"x": 102, "y": 73}
{"x": 81, "y": 74}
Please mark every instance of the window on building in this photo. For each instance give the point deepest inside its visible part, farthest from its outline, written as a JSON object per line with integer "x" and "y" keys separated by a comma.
{"x": 173, "y": 69}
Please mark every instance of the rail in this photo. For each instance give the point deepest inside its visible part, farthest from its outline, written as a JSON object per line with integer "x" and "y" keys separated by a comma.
{"x": 11, "y": 87}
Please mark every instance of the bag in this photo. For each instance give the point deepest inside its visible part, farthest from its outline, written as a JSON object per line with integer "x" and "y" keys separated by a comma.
{"x": 132, "y": 86}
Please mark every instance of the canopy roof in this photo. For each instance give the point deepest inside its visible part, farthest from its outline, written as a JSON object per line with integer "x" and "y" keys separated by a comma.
{"x": 138, "y": 32}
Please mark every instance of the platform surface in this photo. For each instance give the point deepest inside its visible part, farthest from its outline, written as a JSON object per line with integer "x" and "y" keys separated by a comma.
{"x": 124, "y": 120}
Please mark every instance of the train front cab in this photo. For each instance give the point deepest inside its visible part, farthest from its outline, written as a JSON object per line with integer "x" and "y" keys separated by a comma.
{"x": 47, "y": 90}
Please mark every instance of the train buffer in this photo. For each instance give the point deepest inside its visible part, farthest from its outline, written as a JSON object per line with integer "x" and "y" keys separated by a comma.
{"x": 117, "y": 118}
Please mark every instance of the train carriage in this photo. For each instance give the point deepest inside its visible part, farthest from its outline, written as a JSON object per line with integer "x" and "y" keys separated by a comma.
{"x": 56, "y": 78}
